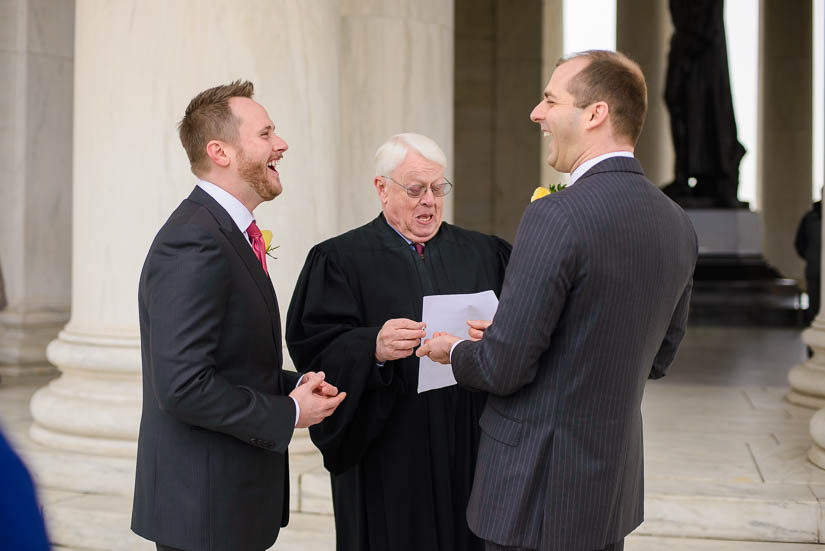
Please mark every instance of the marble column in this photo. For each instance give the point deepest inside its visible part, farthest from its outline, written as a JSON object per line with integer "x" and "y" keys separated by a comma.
{"x": 785, "y": 169}
{"x": 785, "y": 129}
{"x": 36, "y": 63}
{"x": 552, "y": 49}
{"x": 396, "y": 76}
{"x": 810, "y": 377}
{"x": 137, "y": 65}
{"x": 498, "y": 81}
{"x": 643, "y": 29}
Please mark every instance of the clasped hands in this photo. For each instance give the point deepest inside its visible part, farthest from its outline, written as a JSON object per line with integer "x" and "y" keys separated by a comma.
{"x": 316, "y": 398}
{"x": 398, "y": 338}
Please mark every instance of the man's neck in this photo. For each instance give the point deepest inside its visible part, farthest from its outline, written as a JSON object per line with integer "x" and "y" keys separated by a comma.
{"x": 600, "y": 151}
{"x": 239, "y": 190}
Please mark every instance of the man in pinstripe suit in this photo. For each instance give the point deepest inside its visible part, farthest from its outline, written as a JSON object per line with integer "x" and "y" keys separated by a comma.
{"x": 594, "y": 303}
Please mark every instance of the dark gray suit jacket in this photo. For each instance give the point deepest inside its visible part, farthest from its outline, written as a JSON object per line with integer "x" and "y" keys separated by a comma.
{"x": 595, "y": 301}
{"x": 211, "y": 463}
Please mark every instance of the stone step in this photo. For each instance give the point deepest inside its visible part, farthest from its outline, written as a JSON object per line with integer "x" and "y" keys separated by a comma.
{"x": 78, "y": 522}
{"x": 647, "y": 543}
{"x": 784, "y": 516}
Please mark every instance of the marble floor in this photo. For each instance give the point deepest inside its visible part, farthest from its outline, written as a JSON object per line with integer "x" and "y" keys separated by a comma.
{"x": 725, "y": 459}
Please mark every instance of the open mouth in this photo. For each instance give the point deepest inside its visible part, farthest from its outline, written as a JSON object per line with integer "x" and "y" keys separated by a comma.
{"x": 273, "y": 165}
{"x": 424, "y": 218}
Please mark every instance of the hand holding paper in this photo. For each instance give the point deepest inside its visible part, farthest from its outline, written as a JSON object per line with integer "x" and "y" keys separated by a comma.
{"x": 477, "y": 328}
{"x": 446, "y": 318}
{"x": 438, "y": 348}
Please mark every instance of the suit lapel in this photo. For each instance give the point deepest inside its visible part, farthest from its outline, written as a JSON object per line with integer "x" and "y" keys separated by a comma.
{"x": 247, "y": 256}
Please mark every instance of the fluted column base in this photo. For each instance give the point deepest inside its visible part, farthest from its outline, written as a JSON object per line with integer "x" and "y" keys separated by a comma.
{"x": 87, "y": 420}
{"x": 817, "y": 427}
{"x": 24, "y": 335}
{"x": 808, "y": 379}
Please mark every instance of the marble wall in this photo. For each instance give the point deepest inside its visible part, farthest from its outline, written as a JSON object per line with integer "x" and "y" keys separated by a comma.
{"x": 36, "y": 60}
{"x": 396, "y": 75}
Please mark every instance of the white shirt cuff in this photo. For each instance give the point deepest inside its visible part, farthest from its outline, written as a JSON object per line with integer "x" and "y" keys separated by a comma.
{"x": 453, "y": 348}
{"x": 297, "y": 407}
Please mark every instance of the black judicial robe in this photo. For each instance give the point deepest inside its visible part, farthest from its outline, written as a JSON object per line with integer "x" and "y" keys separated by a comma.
{"x": 401, "y": 463}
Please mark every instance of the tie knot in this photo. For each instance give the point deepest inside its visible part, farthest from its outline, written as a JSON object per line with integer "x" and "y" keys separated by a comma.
{"x": 419, "y": 248}
{"x": 253, "y": 231}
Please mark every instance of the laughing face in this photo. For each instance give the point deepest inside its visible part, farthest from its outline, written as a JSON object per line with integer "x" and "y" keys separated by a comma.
{"x": 416, "y": 218}
{"x": 560, "y": 120}
{"x": 259, "y": 149}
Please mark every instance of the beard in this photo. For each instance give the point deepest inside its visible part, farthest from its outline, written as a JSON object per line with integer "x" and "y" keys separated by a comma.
{"x": 255, "y": 174}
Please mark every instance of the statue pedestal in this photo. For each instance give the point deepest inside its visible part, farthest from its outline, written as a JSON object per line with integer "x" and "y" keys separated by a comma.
{"x": 729, "y": 232}
{"x": 733, "y": 284}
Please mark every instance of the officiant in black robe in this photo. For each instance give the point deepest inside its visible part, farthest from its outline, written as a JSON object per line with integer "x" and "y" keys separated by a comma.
{"x": 401, "y": 463}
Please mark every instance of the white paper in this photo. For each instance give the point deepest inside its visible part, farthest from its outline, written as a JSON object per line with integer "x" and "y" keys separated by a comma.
{"x": 450, "y": 313}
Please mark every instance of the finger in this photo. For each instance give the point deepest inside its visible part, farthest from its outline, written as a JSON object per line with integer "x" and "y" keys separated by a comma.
{"x": 315, "y": 381}
{"x": 475, "y": 334}
{"x": 333, "y": 403}
{"x": 424, "y": 349}
{"x": 479, "y": 324}
{"x": 404, "y": 323}
{"x": 402, "y": 353}
{"x": 405, "y": 344}
{"x": 329, "y": 390}
{"x": 409, "y": 334}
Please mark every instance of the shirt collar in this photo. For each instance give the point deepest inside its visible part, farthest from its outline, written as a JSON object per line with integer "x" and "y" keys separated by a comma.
{"x": 236, "y": 210}
{"x": 587, "y": 165}
{"x": 399, "y": 233}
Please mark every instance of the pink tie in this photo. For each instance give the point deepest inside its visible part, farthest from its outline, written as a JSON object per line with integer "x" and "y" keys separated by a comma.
{"x": 257, "y": 240}
{"x": 419, "y": 248}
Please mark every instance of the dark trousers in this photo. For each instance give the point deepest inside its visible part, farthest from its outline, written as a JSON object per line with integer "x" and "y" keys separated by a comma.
{"x": 490, "y": 546}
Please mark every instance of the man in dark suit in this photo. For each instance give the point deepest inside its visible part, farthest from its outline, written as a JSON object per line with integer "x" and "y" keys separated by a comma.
{"x": 595, "y": 302}
{"x": 218, "y": 411}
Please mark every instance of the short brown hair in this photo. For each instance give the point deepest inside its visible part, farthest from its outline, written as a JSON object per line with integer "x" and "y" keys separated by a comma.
{"x": 209, "y": 117}
{"x": 616, "y": 79}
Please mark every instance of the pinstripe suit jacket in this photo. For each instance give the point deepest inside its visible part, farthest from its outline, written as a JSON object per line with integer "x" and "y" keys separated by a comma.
{"x": 595, "y": 302}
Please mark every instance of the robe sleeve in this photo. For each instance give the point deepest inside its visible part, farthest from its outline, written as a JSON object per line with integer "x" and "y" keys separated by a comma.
{"x": 503, "y": 250}
{"x": 325, "y": 332}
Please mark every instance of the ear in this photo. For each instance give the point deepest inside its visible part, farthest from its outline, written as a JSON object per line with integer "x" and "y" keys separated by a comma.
{"x": 217, "y": 153}
{"x": 597, "y": 114}
{"x": 381, "y": 188}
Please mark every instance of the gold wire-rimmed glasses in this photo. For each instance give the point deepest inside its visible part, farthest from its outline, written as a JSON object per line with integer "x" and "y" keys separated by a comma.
{"x": 415, "y": 191}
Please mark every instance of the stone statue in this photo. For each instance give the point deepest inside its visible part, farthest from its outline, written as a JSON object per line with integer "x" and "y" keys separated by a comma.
{"x": 699, "y": 99}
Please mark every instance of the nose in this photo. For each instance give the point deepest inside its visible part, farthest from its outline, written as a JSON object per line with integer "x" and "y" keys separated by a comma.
{"x": 279, "y": 145}
{"x": 428, "y": 198}
{"x": 537, "y": 114}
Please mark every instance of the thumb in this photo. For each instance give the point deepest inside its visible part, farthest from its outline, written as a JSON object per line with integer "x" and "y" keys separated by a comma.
{"x": 423, "y": 350}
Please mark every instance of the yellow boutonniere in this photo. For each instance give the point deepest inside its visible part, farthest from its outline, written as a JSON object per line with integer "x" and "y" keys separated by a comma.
{"x": 543, "y": 191}
{"x": 267, "y": 235}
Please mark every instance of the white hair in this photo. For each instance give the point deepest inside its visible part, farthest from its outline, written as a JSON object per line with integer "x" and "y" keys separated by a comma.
{"x": 393, "y": 152}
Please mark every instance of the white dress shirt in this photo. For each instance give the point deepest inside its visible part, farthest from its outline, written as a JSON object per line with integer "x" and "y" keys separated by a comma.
{"x": 242, "y": 218}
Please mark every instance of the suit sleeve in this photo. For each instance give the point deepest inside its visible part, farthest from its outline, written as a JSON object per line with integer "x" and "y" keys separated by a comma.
{"x": 536, "y": 284}
{"x": 187, "y": 293}
{"x": 673, "y": 336}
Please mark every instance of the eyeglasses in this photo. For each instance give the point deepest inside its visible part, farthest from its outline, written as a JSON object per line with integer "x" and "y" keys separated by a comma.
{"x": 417, "y": 190}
